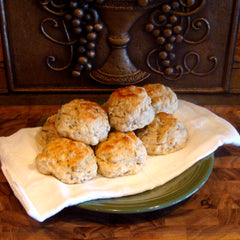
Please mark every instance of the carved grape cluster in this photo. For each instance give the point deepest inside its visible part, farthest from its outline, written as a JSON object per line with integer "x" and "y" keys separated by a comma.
{"x": 84, "y": 21}
{"x": 166, "y": 28}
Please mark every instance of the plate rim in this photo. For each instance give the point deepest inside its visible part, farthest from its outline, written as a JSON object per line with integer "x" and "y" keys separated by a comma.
{"x": 208, "y": 161}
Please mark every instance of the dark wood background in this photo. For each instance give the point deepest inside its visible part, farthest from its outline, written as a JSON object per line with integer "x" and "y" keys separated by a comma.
{"x": 28, "y": 97}
{"x": 213, "y": 213}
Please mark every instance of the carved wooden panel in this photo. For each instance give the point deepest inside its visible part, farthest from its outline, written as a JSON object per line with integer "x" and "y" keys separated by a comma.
{"x": 235, "y": 77}
{"x": 3, "y": 80}
{"x": 199, "y": 52}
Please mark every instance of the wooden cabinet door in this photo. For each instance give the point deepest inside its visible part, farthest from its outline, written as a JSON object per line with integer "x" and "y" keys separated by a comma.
{"x": 3, "y": 80}
{"x": 201, "y": 62}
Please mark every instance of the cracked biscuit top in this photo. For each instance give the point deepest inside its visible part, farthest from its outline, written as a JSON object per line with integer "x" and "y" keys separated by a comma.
{"x": 164, "y": 135}
{"x": 163, "y": 98}
{"x": 68, "y": 160}
{"x": 83, "y": 120}
{"x": 121, "y": 154}
{"x": 129, "y": 108}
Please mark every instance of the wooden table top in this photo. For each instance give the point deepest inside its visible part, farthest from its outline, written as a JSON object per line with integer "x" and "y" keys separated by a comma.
{"x": 213, "y": 212}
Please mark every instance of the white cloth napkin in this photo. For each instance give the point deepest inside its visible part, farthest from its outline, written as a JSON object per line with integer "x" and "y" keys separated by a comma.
{"x": 43, "y": 196}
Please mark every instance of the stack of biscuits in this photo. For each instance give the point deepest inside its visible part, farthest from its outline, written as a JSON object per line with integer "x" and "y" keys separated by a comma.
{"x": 85, "y": 139}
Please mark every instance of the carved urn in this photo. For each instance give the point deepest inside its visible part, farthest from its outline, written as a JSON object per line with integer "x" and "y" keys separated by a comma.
{"x": 170, "y": 23}
{"x": 119, "y": 17}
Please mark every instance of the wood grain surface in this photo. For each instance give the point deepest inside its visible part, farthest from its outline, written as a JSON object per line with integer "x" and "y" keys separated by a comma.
{"x": 212, "y": 213}
{"x": 237, "y": 47}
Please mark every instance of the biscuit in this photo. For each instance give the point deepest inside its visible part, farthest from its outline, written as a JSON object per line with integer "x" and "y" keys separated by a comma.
{"x": 121, "y": 154}
{"x": 129, "y": 108}
{"x": 164, "y": 135}
{"x": 69, "y": 161}
{"x": 163, "y": 98}
{"x": 48, "y": 131}
{"x": 83, "y": 120}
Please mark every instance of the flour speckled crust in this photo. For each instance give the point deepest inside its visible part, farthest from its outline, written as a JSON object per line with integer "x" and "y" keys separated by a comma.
{"x": 48, "y": 132}
{"x": 68, "y": 160}
{"x": 121, "y": 154}
{"x": 129, "y": 108}
{"x": 163, "y": 98}
{"x": 164, "y": 135}
{"x": 83, "y": 120}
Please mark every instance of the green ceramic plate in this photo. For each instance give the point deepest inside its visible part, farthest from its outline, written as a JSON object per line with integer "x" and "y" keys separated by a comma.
{"x": 169, "y": 194}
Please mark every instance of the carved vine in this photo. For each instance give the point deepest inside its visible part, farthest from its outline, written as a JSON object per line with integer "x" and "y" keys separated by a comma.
{"x": 81, "y": 25}
{"x": 170, "y": 24}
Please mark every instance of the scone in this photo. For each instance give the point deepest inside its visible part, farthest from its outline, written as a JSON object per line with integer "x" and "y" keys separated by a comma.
{"x": 48, "y": 131}
{"x": 129, "y": 108}
{"x": 68, "y": 160}
{"x": 163, "y": 98}
{"x": 121, "y": 154}
{"x": 83, "y": 120}
{"x": 164, "y": 135}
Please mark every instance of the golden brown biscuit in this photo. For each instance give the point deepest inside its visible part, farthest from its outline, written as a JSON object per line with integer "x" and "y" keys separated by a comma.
{"x": 129, "y": 108}
{"x": 83, "y": 120}
{"x": 163, "y": 98}
{"x": 121, "y": 154}
{"x": 48, "y": 132}
{"x": 164, "y": 135}
{"x": 69, "y": 161}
